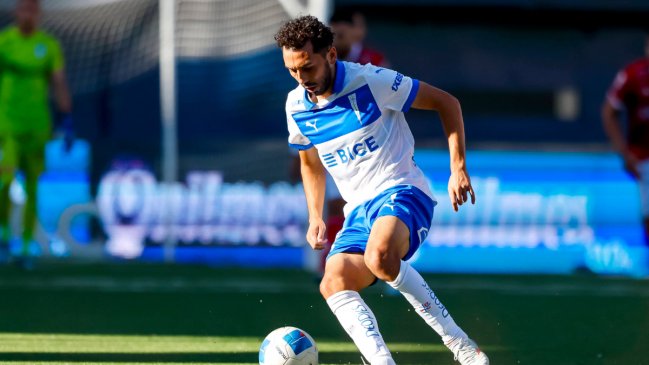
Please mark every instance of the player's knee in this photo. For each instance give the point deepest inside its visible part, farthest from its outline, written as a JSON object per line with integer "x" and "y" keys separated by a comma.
{"x": 382, "y": 263}
{"x": 332, "y": 284}
{"x": 329, "y": 286}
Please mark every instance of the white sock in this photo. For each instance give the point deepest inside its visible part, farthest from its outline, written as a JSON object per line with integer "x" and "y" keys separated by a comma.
{"x": 426, "y": 303}
{"x": 360, "y": 324}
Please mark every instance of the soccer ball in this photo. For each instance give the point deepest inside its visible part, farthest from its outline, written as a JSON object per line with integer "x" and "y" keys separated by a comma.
{"x": 288, "y": 346}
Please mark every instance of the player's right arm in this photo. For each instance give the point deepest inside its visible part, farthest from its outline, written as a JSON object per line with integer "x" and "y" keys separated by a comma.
{"x": 314, "y": 180}
{"x": 613, "y": 125}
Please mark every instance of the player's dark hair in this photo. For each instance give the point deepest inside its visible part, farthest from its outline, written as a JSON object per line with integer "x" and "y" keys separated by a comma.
{"x": 296, "y": 33}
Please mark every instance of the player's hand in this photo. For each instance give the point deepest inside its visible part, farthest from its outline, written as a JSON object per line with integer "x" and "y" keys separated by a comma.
{"x": 316, "y": 234}
{"x": 631, "y": 166}
{"x": 67, "y": 132}
{"x": 459, "y": 188}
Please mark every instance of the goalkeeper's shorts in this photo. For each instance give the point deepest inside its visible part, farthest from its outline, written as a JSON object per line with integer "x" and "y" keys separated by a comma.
{"x": 24, "y": 152}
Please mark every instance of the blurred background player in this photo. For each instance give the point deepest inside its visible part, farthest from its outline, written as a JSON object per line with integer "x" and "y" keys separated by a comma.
{"x": 350, "y": 30}
{"x": 630, "y": 93}
{"x": 30, "y": 62}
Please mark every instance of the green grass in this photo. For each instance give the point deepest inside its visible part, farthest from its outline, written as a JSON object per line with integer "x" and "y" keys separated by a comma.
{"x": 134, "y": 349}
{"x": 164, "y": 314}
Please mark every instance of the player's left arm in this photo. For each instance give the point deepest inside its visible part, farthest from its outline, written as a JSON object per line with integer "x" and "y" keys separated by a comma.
{"x": 61, "y": 91}
{"x": 450, "y": 113}
{"x": 62, "y": 95}
{"x": 58, "y": 82}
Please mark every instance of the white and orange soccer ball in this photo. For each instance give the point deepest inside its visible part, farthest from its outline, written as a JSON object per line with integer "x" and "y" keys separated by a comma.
{"x": 288, "y": 346}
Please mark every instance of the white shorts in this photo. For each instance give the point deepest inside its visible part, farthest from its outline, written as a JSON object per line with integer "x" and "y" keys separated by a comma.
{"x": 644, "y": 187}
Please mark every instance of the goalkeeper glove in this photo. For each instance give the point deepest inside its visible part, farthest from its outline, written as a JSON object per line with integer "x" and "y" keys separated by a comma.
{"x": 67, "y": 131}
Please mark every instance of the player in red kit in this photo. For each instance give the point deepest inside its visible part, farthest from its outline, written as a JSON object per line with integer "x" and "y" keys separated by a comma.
{"x": 630, "y": 93}
{"x": 350, "y": 30}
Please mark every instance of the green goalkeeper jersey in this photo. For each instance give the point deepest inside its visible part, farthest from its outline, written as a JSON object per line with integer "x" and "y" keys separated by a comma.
{"x": 26, "y": 67}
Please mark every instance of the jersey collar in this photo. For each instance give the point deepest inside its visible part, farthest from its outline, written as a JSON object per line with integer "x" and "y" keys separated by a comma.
{"x": 339, "y": 83}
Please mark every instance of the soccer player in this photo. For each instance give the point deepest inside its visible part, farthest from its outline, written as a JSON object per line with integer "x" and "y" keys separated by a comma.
{"x": 30, "y": 62}
{"x": 350, "y": 29}
{"x": 630, "y": 92}
{"x": 349, "y": 119}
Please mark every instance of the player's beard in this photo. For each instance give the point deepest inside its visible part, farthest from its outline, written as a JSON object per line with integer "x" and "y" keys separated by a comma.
{"x": 327, "y": 81}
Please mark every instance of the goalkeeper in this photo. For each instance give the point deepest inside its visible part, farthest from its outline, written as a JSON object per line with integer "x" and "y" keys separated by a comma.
{"x": 30, "y": 63}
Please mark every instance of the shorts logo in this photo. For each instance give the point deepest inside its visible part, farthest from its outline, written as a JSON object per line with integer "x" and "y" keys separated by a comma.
{"x": 422, "y": 233}
{"x": 391, "y": 206}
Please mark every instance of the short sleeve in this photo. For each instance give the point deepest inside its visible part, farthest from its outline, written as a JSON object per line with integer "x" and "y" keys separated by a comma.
{"x": 56, "y": 57}
{"x": 618, "y": 90}
{"x": 392, "y": 89}
{"x": 296, "y": 139}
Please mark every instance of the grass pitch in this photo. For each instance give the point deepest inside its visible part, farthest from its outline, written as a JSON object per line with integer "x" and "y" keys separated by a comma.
{"x": 171, "y": 314}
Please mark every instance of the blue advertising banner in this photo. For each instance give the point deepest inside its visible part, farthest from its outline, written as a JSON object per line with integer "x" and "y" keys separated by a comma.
{"x": 536, "y": 212}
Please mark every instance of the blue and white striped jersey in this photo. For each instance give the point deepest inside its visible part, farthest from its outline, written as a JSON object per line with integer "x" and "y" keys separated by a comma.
{"x": 360, "y": 131}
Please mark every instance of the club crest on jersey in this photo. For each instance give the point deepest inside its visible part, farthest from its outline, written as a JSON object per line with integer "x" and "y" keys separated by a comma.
{"x": 354, "y": 104}
{"x": 350, "y": 152}
{"x": 40, "y": 50}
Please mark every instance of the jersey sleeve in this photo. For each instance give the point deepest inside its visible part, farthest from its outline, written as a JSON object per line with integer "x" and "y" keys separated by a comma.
{"x": 56, "y": 57}
{"x": 392, "y": 89}
{"x": 296, "y": 139}
{"x": 618, "y": 90}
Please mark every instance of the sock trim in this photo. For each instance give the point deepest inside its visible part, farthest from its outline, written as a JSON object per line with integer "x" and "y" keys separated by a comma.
{"x": 341, "y": 298}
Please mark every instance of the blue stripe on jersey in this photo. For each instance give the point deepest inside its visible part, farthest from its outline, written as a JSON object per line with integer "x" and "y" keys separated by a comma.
{"x": 300, "y": 146}
{"x": 330, "y": 160}
{"x": 339, "y": 83}
{"x": 411, "y": 96}
{"x": 344, "y": 115}
{"x": 298, "y": 341}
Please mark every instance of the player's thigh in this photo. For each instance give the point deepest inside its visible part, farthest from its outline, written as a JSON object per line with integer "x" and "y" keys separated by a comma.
{"x": 32, "y": 161}
{"x": 345, "y": 271}
{"x": 389, "y": 238}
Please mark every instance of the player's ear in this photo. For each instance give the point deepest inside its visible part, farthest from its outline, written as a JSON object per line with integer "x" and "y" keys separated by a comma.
{"x": 332, "y": 55}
